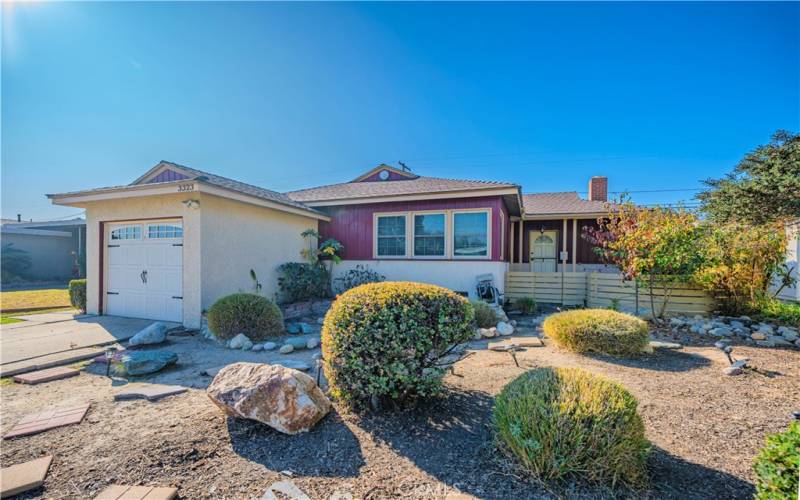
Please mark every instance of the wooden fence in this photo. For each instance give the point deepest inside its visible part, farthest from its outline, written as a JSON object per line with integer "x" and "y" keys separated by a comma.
{"x": 604, "y": 290}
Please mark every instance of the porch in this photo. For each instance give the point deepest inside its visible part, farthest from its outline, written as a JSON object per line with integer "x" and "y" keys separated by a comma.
{"x": 547, "y": 245}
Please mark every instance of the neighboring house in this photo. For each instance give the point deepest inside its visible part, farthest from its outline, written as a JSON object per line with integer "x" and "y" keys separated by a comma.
{"x": 55, "y": 248}
{"x": 176, "y": 239}
{"x": 792, "y": 251}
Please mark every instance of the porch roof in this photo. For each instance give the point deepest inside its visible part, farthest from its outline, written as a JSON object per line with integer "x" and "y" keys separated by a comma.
{"x": 561, "y": 204}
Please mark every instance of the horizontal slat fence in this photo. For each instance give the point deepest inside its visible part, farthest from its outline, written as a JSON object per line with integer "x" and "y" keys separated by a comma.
{"x": 603, "y": 290}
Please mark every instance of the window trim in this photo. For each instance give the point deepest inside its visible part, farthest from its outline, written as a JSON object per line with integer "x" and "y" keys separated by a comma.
{"x": 178, "y": 224}
{"x": 412, "y": 217}
{"x": 375, "y": 217}
{"x": 127, "y": 226}
{"x": 502, "y": 235}
{"x": 488, "y": 212}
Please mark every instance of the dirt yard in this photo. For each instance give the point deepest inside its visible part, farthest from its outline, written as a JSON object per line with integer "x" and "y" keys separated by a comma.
{"x": 705, "y": 429}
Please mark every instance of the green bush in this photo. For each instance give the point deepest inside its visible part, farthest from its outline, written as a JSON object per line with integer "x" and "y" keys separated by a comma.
{"x": 566, "y": 421}
{"x": 485, "y": 315}
{"x": 777, "y": 466}
{"x": 526, "y": 305}
{"x": 298, "y": 281}
{"x": 77, "y": 294}
{"x": 255, "y": 316}
{"x": 384, "y": 341}
{"x": 775, "y": 311}
{"x": 598, "y": 330}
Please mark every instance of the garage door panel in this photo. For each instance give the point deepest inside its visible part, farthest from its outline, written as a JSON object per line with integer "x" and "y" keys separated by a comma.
{"x": 162, "y": 257}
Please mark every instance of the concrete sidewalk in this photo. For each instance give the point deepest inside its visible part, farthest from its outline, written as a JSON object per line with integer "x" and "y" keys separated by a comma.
{"x": 60, "y": 338}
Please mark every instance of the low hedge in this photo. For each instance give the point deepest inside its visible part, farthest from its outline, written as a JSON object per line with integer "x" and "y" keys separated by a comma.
{"x": 561, "y": 422}
{"x": 598, "y": 330}
{"x": 485, "y": 315}
{"x": 255, "y": 316}
{"x": 300, "y": 281}
{"x": 77, "y": 294}
{"x": 383, "y": 341}
{"x": 777, "y": 466}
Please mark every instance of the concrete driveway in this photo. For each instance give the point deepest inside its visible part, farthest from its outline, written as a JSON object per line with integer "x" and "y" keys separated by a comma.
{"x": 59, "y": 338}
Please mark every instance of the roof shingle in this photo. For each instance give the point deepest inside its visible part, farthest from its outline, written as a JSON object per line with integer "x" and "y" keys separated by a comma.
{"x": 419, "y": 185}
{"x": 560, "y": 203}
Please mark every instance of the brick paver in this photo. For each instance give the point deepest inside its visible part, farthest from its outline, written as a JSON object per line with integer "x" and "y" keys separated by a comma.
{"x": 46, "y": 420}
{"x": 121, "y": 492}
{"x": 46, "y": 375}
{"x": 151, "y": 392}
{"x": 22, "y": 477}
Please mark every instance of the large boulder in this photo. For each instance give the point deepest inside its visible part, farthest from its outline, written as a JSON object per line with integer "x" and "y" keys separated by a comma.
{"x": 143, "y": 362}
{"x": 153, "y": 334}
{"x": 287, "y": 400}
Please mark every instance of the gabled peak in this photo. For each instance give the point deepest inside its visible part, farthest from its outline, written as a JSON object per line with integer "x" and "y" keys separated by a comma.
{"x": 384, "y": 172}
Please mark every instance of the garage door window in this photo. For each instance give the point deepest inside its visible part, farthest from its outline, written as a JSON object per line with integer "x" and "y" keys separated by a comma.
{"x": 156, "y": 231}
{"x": 127, "y": 233}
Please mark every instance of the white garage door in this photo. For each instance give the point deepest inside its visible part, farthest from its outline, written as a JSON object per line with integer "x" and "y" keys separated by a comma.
{"x": 145, "y": 270}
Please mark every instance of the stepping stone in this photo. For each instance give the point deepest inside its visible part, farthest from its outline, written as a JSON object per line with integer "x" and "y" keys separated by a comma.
{"x": 501, "y": 346}
{"x": 151, "y": 392}
{"x": 658, "y": 344}
{"x": 121, "y": 492}
{"x": 46, "y": 375}
{"x": 527, "y": 341}
{"x": 212, "y": 372}
{"x": 287, "y": 489}
{"x": 46, "y": 420}
{"x": 23, "y": 477}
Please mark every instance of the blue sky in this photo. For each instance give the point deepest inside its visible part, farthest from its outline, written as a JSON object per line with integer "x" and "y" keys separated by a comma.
{"x": 653, "y": 95}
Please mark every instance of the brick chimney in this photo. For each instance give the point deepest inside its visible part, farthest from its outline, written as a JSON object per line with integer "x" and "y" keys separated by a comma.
{"x": 598, "y": 188}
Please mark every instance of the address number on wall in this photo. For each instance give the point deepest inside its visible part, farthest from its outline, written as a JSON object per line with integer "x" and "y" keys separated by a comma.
{"x": 185, "y": 187}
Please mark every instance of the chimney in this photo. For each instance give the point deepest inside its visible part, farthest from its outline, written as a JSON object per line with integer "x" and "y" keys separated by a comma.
{"x": 19, "y": 217}
{"x": 598, "y": 188}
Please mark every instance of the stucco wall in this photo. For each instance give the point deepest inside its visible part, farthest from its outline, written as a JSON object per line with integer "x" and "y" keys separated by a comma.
{"x": 237, "y": 237}
{"x": 51, "y": 256}
{"x": 146, "y": 208}
{"x": 455, "y": 275}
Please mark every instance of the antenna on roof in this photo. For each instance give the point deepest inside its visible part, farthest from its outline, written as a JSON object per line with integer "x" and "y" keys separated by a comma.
{"x": 404, "y": 167}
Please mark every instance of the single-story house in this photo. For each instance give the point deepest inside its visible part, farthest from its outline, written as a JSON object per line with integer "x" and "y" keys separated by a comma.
{"x": 176, "y": 239}
{"x": 55, "y": 249}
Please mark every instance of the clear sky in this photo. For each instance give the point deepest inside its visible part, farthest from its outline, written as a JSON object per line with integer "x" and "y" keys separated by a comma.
{"x": 653, "y": 95}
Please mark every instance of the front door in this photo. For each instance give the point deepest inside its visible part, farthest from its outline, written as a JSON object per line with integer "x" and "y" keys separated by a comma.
{"x": 543, "y": 251}
{"x": 145, "y": 270}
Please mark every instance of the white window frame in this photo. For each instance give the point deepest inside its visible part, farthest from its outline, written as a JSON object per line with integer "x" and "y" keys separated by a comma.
{"x": 489, "y": 242}
{"x": 163, "y": 223}
{"x": 502, "y": 235}
{"x": 375, "y": 218}
{"x": 118, "y": 227}
{"x": 412, "y": 217}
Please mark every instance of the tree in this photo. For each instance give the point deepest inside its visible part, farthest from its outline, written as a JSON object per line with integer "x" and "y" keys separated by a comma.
{"x": 658, "y": 247}
{"x": 764, "y": 186}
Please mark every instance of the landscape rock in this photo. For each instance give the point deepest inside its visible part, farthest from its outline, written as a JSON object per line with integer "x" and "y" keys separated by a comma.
{"x": 238, "y": 341}
{"x": 294, "y": 364}
{"x": 285, "y": 399}
{"x": 286, "y": 349}
{"x": 765, "y": 343}
{"x": 268, "y": 346}
{"x": 765, "y": 328}
{"x": 312, "y": 343}
{"x": 779, "y": 341}
{"x": 143, "y": 362}
{"x": 258, "y": 347}
{"x": 740, "y": 363}
{"x": 247, "y": 346}
{"x": 721, "y": 331}
{"x": 504, "y": 328}
{"x": 787, "y": 333}
{"x": 296, "y": 343}
{"x": 293, "y": 328}
{"x": 306, "y": 328}
{"x": 153, "y": 334}
{"x": 758, "y": 336}
{"x": 486, "y": 332}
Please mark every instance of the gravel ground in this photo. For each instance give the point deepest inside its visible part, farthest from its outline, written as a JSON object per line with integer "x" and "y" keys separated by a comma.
{"x": 705, "y": 428}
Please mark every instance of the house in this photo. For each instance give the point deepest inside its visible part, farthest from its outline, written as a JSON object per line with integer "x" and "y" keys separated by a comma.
{"x": 55, "y": 249}
{"x": 176, "y": 239}
{"x": 791, "y": 293}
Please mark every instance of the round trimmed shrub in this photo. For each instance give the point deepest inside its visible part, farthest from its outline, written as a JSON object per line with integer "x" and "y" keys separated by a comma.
{"x": 598, "y": 330}
{"x": 568, "y": 422}
{"x": 382, "y": 341}
{"x": 485, "y": 315}
{"x": 255, "y": 316}
{"x": 777, "y": 466}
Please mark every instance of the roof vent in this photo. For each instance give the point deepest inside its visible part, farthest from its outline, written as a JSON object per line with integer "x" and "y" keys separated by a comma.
{"x": 383, "y": 175}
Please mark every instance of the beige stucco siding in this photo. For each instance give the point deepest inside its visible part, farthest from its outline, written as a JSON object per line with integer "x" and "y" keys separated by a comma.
{"x": 148, "y": 207}
{"x": 237, "y": 237}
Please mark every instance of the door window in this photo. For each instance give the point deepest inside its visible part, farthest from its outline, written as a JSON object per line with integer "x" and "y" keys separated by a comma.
{"x": 132, "y": 232}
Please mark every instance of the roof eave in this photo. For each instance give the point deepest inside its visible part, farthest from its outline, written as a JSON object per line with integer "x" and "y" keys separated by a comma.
{"x": 469, "y": 193}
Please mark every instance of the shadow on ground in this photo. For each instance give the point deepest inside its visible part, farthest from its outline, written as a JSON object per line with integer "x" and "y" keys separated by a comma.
{"x": 329, "y": 449}
{"x": 664, "y": 360}
{"x": 451, "y": 439}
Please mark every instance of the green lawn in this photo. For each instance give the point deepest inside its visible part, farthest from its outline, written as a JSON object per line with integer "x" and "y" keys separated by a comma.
{"x": 22, "y": 302}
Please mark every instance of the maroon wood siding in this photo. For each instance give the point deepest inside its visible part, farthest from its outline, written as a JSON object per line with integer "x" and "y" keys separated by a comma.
{"x": 352, "y": 224}
{"x": 167, "y": 176}
{"x": 585, "y": 253}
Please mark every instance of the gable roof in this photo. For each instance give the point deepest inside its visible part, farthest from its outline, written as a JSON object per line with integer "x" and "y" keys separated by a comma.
{"x": 405, "y": 174}
{"x": 567, "y": 203}
{"x": 153, "y": 180}
{"x": 393, "y": 188}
